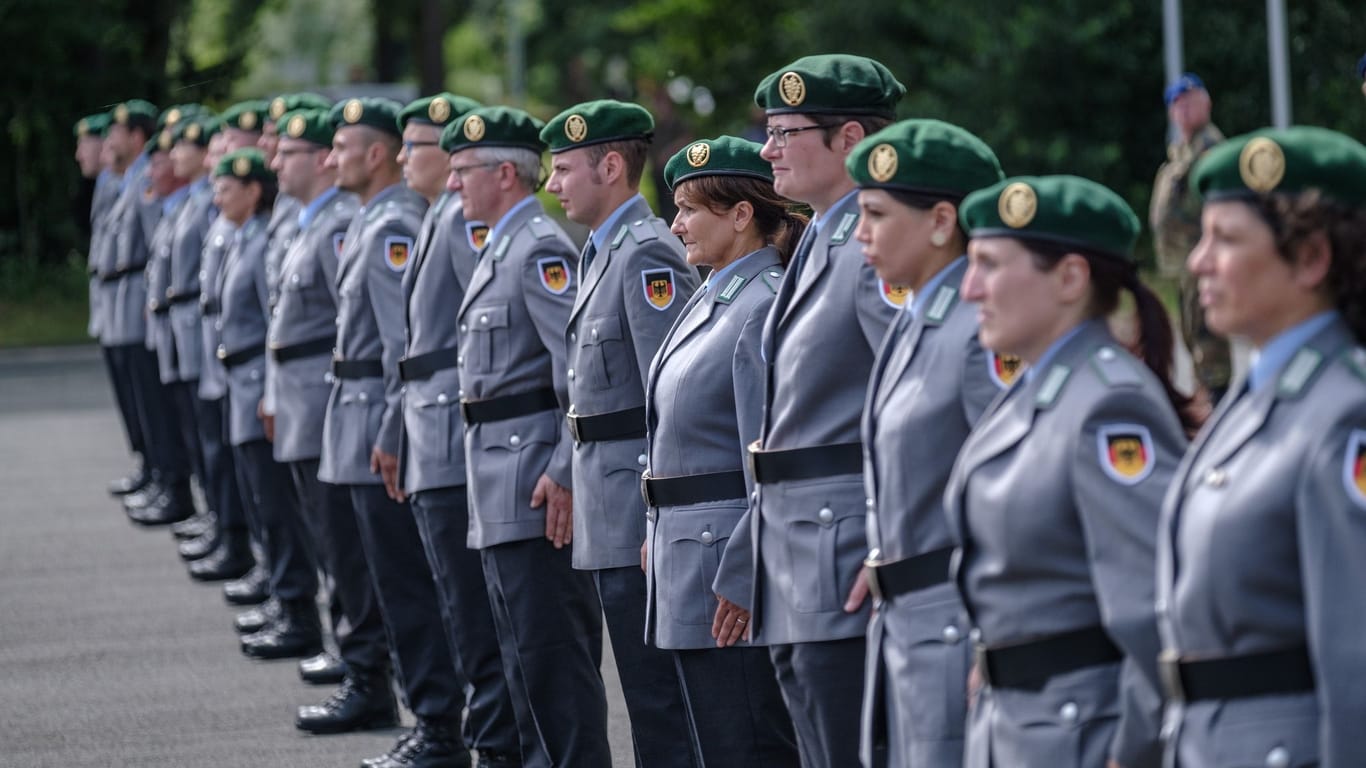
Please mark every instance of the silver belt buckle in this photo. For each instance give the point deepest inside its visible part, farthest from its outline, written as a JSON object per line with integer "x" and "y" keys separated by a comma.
{"x": 979, "y": 658}
{"x": 871, "y": 564}
{"x": 1169, "y": 671}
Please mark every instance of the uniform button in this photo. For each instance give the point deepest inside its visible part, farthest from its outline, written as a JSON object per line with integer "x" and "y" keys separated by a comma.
{"x": 218, "y": 325}
{"x": 1278, "y": 757}
{"x": 826, "y": 515}
{"x": 459, "y": 359}
{"x": 650, "y": 514}
{"x": 573, "y": 336}
{"x": 1106, "y": 353}
{"x": 203, "y": 277}
{"x": 641, "y": 459}
{"x": 442, "y": 399}
{"x": 483, "y": 319}
{"x": 362, "y": 397}
{"x": 1068, "y": 712}
{"x": 294, "y": 278}
{"x": 707, "y": 537}
{"x": 461, "y": 393}
{"x": 571, "y": 374}
{"x": 255, "y": 375}
{"x": 869, "y": 504}
{"x": 595, "y": 334}
{"x": 514, "y": 440}
{"x": 1216, "y": 478}
{"x": 754, "y": 497}
{"x": 952, "y": 635}
{"x": 975, "y": 635}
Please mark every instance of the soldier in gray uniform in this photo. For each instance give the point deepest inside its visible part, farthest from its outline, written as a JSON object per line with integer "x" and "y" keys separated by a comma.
{"x": 302, "y": 332}
{"x": 1053, "y": 500}
{"x": 1260, "y": 552}
{"x": 931, "y": 377}
{"x": 635, "y": 282}
{"x": 827, "y": 322}
{"x": 244, "y": 190}
{"x": 703, "y": 401}
{"x": 432, "y": 449}
{"x": 361, "y": 428}
{"x": 513, "y": 389}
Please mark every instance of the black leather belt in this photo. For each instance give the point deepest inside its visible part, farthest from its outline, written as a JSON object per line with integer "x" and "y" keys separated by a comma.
{"x": 1236, "y": 677}
{"x": 121, "y": 273}
{"x": 617, "y": 425}
{"x": 357, "y": 369}
{"x": 1031, "y": 664}
{"x": 508, "y": 406}
{"x": 209, "y": 307}
{"x": 888, "y": 580}
{"x": 159, "y": 307}
{"x": 240, "y": 357}
{"x": 173, "y": 299}
{"x": 424, "y": 365}
{"x": 303, "y": 349}
{"x": 807, "y": 463}
{"x": 693, "y": 489}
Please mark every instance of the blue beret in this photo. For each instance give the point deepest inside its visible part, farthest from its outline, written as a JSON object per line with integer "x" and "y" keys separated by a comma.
{"x": 1188, "y": 81}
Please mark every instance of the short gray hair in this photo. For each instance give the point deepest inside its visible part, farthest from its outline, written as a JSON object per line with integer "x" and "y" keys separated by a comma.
{"x": 526, "y": 162}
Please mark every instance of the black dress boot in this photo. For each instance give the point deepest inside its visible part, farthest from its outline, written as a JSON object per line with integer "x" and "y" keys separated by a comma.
{"x": 363, "y": 702}
{"x": 230, "y": 560}
{"x": 174, "y": 504}
{"x": 325, "y": 668}
{"x": 258, "y": 617}
{"x": 196, "y": 526}
{"x": 130, "y": 483}
{"x": 432, "y": 744}
{"x": 252, "y": 588}
{"x": 295, "y": 633}
{"x": 195, "y": 549}
{"x": 144, "y": 496}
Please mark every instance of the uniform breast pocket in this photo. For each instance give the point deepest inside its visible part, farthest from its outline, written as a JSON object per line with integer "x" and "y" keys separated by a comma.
{"x": 487, "y": 326}
{"x": 932, "y": 637}
{"x": 1073, "y": 720}
{"x": 602, "y": 355}
{"x": 1268, "y": 730}
{"x": 299, "y": 282}
{"x": 511, "y": 456}
{"x": 694, "y": 541}
{"x": 826, "y": 540}
{"x": 430, "y": 432}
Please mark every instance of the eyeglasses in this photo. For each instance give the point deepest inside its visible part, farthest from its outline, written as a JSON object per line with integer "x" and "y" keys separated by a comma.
{"x": 409, "y": 146}
{"x": 779, "y": 135}
{"x": 461, "y": 170}
{"x": 297, "y": 151}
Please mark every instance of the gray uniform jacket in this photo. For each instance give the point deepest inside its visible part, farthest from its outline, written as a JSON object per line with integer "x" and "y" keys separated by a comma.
{"x": 620, "y": 318}
{"x": 101, "y": 203}
{"x": 213, "y": 379}
{"x": 704, "y": 402}
{"x": 512, "y": 341}
{"x": 306, "y": 311}
{"x": 931, "y": 383}
{"x": 280, "y": 232}
{"x": 363, "y": 414}
{"x": 432, "y": 453}
{"x": 133, "y": 220}
{"x": 187, "y": 250}
{"x": 242, "y": 328}
{"x": 1054, "y": 502}
{"x": 1263, "y": 548}
{"x": 158, "y": 273}
{"x": 820, "y": 340}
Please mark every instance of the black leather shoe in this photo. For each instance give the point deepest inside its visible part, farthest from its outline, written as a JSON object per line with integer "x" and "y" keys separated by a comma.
{"x": 295, "y": 634}
{"x": 257, "y": 618}
{"x": 252, "y": 588}
{"x": 323, "y": 669}
{"x": 196, "y": 549}
{"x": 230, "y": 560}
{"x": 170, "y": 507}
{"x": 130, "y": 483}
{"x": 144, "y": 496}
{"x": 429, "y": 745}
{"x": 489, "y": 759}
{"x": 197, "y": 526}
{"x": 360, "y": 704}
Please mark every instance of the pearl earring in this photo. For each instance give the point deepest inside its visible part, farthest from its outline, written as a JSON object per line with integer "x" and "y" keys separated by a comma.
{"x": 938, "y": 239}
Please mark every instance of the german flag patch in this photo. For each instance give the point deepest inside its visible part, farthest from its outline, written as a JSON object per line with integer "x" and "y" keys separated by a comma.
{"x": 396, "y": 252}
{"x": 554, "y": 273}
{"x": 1354, "y": 467}
{"x": 478, "y": 234}
{"x": 1126, "y": 452}
{"x": 659, "y": 287}
{"x": 1003, "y": 369}
{"x": 894, "y": 295}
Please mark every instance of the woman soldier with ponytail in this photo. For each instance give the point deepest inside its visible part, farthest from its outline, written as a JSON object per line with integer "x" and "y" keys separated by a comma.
{"x": 1262, "y": 552}
{"x": 1055, "y": 495}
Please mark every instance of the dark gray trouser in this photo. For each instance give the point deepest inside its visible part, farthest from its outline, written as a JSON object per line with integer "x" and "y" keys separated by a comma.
{"x": 822, "y": 684}
{"x": 737, "y": 708}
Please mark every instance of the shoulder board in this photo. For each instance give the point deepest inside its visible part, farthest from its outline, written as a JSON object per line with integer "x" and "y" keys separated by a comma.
{"x": 844, "y": 229}
{"x": 621, "y": 235}
{"x": 945, "y": 298}
{"x": 541, "y": 227}
{"x": 643, "y": 231}
{"x": 501, "y": 250}
{"x": 1113, "y": 368}
{"x": 1302, "y": 368}
{"x": 1053, "y": 383}
{"x": 773, "y": 278}
{"x": 1356, "y": 361}
{"x": 732, "y": 289}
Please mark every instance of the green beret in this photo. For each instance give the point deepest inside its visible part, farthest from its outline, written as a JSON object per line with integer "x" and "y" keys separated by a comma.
{"x": 1063, "y": 210}
{"x": 438, "y": 110}
{"x": 597, "y": 122}
{"x": 721, "y": 156}
{"x": 289, "y": 102}
{"x": 171, "y": 116}
{"x": 835, "y": 84}
{"x": 924, "y": 156}
{"x": 245, "y": 116}
{"x": 244, "y": 164}
{"x": 91, "y": 125}
{"x": 493, "y": 127}
{"x": 377, "y": 113}
{"x": 196, "y": 130}
{"x": 311, "y": 125}
{"x": 161, "y": 141}
{"x": 1289, "y": 161}
{"x": 135, "y": 113}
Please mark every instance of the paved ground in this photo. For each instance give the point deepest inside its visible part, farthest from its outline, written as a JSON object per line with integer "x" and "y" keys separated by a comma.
{"x": 109, "y": 654}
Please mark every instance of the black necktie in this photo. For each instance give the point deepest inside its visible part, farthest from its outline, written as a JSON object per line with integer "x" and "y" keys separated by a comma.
{"x": 590, "y": 249}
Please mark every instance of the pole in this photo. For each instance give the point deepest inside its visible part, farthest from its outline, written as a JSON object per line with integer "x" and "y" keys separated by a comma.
{"x": 1280, "y": 63}
{"x": 1171, "y": 49}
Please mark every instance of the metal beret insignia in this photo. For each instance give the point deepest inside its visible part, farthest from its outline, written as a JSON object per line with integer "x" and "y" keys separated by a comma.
{"x": 192, "y": 131}
{"x": 353, "y": 110}
{"x": 296, "y": 126}
{"x": 882, "y": 162}
{"x": 474, "y": 128}
{"x": 1261, "y": 164}
{"x": 247, "y": 121}
{"x": 173, "y": 117}
{"x": 576, "y": 128}
{"x": 121, "y": 113}
{"x": 82, "y": 127}
{"x": 439, "y": 110}
{"x": 1017, "y": 205}
{"x": 241, "y": 166}
{"x": 792, "y": 89}
{"x": 699, "y": 154}
{"x": 164, "y": 140}
{"x": 277, "y": 108}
